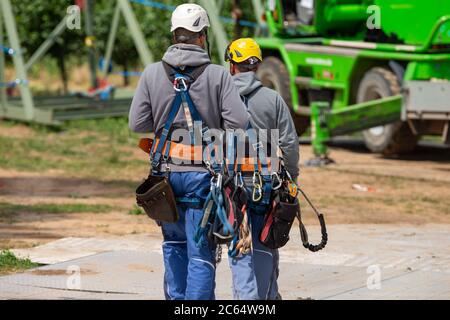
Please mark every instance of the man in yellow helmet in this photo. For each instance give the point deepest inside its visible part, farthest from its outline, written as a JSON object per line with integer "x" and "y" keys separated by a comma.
{"x": 255, "y": 274}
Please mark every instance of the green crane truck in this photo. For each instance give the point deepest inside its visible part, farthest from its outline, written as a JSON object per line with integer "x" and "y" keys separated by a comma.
{"x": 382, "y": 66}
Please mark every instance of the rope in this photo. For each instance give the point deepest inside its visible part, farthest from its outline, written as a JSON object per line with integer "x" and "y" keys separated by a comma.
{"x": 155, "y": 4}
{"x": 304, "y": 233}
{"x": 129, "y": 73}
{"x": 244, "y": 245}
{"x": 167, "y": 7}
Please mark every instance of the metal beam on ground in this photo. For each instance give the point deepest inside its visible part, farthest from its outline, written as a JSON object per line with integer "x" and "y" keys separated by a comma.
{"x": 111, "y": 40}
{"x": 47, "y": 44}
{"x": 327, "y": 123}
{"x": 90, "y": 41}
{"x": 219, "y": 6}
{"x": 2, "y": 71}
{"x": 136, "y": 32}
{"x": 259, "y": 12}
{"x": 217, "y": 27}
{"x": 19, "y": 64}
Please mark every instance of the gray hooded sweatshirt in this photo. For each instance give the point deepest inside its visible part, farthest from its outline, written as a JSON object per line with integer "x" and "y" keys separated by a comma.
{"x": 214, "y": 95}
{"x": 269, "y": 111}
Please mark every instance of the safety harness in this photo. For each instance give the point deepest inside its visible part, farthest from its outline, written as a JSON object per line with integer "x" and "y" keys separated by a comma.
{"x": 260, "y": 192}
{"x": 280, "y": 193}
{"x": 155, "y": 195}
{"x": 225, "y": 211}
{"x": 222, "y": 208}
{"x": 181, "y": 79}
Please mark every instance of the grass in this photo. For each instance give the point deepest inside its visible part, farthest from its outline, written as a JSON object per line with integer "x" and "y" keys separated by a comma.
{"x": 10, "y": 263}
{"x": 9, "y": 209}
{"x": 136, "y": 211}
{"x": 89, "y": 148}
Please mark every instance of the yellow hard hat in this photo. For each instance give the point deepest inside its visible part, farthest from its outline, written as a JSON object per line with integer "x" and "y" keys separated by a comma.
{"x": 242, "y": 50}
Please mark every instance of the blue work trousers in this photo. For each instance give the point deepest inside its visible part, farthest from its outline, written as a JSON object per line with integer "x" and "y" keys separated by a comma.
{"x": 189, "y": 271}
{"x": 255, "y": 274}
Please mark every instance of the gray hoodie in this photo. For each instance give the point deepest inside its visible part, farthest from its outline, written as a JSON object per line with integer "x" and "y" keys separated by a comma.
{"x": 268, "y": 111}
{"x": 214, "y": 95}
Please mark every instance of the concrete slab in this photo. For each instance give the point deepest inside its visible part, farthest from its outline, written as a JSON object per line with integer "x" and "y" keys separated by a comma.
{"x": 71, "y": 248}
{"x": 413, "y": 263}
{"x": 111, "y": 275}
{"x": 138, "y": 275}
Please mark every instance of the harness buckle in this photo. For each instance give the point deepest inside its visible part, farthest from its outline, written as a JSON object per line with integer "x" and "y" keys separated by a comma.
{"x": 219, "y": 181}
{"x": 216, "y": 181}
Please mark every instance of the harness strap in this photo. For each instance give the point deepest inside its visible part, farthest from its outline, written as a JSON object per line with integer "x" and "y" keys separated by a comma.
{"x": 253, "y": 140}
{"x": 260, "y": 153}
{"x": 193, "y": 72}
{"x": 231, "y": 152}
{"x": 189, "y": 75}
{"x": 156, "y": 156}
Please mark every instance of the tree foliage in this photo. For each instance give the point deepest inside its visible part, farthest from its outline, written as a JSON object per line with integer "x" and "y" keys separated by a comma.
{"x": 36, "y": 19}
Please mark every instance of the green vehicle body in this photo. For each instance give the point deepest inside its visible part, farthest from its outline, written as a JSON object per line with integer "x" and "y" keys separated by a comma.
{"x": 327, "y": 58}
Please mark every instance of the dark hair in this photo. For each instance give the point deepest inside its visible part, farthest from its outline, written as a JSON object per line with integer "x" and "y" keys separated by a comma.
{"x": 182, "y": 35}
{"x": 248, "y": 66}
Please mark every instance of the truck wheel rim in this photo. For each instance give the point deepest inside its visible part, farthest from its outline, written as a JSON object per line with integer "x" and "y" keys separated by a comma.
{"x": 377, "y": 131}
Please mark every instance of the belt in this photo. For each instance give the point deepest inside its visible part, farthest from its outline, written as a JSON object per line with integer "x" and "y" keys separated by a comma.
{"x": 247, "y": 165}
{"x": 180, "y": 153}
{"x": 175, "y": 150}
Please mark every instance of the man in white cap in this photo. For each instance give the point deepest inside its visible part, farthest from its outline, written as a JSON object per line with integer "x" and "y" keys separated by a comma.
{"x": 189, "y": 269}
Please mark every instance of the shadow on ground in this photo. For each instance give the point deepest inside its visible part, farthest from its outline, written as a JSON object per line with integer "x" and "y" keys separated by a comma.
{"x": 64, "y": 187}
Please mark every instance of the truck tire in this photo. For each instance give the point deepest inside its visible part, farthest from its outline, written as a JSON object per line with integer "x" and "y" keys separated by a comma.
{"x": 394, "y": 138}
{"x": 273, "y": 74}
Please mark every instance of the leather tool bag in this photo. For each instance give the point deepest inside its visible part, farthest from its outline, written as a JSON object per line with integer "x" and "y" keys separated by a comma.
{"x": 278, "y": 222}
{"x": 157, "y": 199}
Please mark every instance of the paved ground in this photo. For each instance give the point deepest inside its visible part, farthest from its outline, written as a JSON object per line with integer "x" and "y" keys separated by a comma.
{"x": 412, "y": 262}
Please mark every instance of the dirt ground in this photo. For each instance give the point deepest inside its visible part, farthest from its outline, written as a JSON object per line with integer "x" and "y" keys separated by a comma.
{"x": 409, "y": 190}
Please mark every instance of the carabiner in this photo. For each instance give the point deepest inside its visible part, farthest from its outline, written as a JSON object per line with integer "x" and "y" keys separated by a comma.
{"x": 257, "y": 175}
{"x": 238, "y": 181}
{"x": 257, "y": 187}
{"x": 278, "y": 179}
{"x": 257, "y": 193}
{"x": 176, "y": 84}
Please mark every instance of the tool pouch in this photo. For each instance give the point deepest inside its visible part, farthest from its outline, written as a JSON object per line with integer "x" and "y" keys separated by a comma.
{"x": 278, "y": 223}
{"x": 157, "y": 199}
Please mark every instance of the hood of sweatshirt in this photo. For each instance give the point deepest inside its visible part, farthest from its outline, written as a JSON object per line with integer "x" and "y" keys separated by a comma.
{"x": 246, "y": 82}
{"x": 181, "y": 55}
